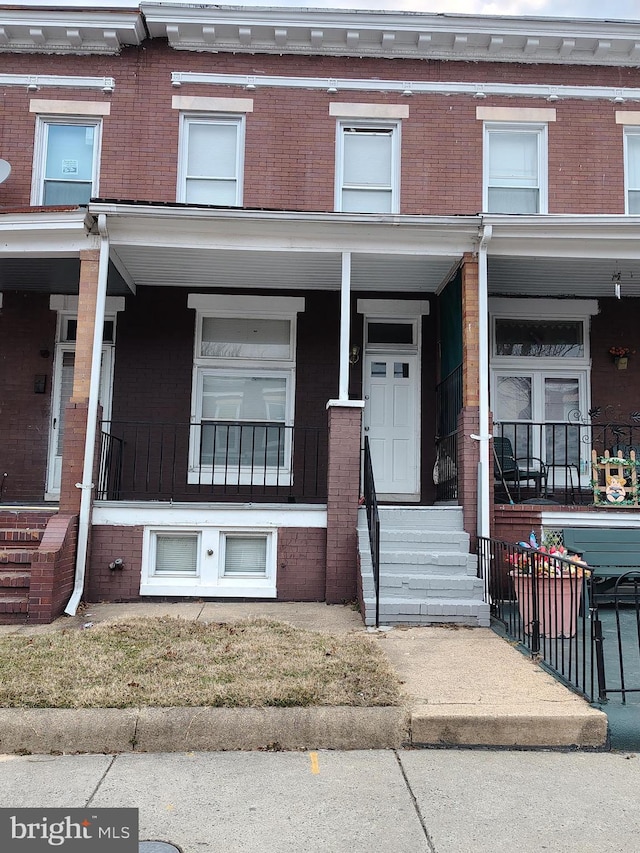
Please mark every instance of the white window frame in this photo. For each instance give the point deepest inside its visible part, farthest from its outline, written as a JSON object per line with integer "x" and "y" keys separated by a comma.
{"x": 393, "y": 127}
{"x": 210, "y": 578}
{"x": 541, "y": 368}
{"x": 246, "y": 307}
{"x": 629, "y": 132}
{"x": 540, "y": 130}
{"x": 43, "y": 123}
{"x": 187, "y": 119}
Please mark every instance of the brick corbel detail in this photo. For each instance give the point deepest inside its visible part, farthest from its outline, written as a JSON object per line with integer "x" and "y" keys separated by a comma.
{"x": 343, "y": 492}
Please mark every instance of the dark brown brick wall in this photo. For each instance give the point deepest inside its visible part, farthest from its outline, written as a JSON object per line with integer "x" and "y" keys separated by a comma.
{"x": 27, "y": 326}
{"x": 302, "y": 554}
{"x": 615, "y": 391}
{"x": 290, "y": 146}
{"x": 107, "y": 544}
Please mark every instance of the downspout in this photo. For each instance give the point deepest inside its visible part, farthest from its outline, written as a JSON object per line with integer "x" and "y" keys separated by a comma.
{"x": 87, "y": 485}
{"x": 484, "y": 524}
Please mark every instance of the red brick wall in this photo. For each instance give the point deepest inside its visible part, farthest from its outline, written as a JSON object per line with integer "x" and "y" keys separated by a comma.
{"x": 107, "y": 544}
{"x": 615, "y": 391}
{"x": 27, "y": 326}
{"x": 343, "y": 482}
{"x": 290, "y": 147}
{"x": 53, "y": 569}
{"x": 301, "y": 571}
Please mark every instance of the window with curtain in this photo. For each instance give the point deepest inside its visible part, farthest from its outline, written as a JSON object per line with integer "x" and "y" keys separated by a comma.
{"x": 515, "y": 168}
{"x": 632, "y": 169}
{"x": 368, "y": 169}
{"x": 211, "y": 160}
{"x": 176, "y": 554}
{"x": 245, "y": 555}
{"x": 66, "y": 161}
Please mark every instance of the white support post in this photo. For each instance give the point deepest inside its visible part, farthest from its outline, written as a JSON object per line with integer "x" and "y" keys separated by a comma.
{"x": 345, "y": 326}
{"x": 484, "y": 526}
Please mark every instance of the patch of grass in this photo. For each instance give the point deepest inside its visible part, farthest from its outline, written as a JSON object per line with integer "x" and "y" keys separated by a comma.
{"x": 177, "y": 662}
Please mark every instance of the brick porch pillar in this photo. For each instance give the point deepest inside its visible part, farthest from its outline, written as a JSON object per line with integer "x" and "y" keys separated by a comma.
{"x": 75, "y": 427}
{"x": 469, "y": 417}
{"x": 343, "y": 493}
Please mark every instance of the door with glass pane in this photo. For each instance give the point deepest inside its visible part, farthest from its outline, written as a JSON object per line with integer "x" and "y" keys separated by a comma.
{"x": 61, "y": 394}
{"x": 391, "y": 422}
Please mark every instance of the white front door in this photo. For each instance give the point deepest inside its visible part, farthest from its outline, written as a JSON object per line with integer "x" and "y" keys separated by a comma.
{"x": 61, "y": 394}
{"x": 391, "y": 421}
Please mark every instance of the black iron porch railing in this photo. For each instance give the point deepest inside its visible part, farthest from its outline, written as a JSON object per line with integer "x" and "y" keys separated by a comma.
{"x": 373, "y": 522}
{"x": 552, "y": 461}
{"x": 544, "y": 603}
{"x": 212, "y": 461}
{"x": 448, "y": 407}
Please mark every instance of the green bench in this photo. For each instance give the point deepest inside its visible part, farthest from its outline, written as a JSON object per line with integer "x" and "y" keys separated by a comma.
{"x": 609, "y": 553}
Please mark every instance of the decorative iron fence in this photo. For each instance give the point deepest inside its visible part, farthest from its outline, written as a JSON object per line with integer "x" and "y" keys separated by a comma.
{"x": 212, "y": 461}
{"x": 448, "y": 407}
{"x": 543, "y": 602}
{"x": 553, "y": 461}
{"x": 617, "y": 639}
{"x": 373, "y": 522}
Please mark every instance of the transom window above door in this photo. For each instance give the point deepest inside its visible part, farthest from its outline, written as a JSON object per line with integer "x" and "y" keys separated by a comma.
{"x": 539, "y": 338}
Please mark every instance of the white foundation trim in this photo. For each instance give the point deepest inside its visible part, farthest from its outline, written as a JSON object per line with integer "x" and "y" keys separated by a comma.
{"x": 245, "y": 516}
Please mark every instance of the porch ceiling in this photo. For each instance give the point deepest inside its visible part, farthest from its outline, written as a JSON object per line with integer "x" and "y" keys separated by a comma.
{"x": 200, "y": 267}
{"x": 582, "y": 277}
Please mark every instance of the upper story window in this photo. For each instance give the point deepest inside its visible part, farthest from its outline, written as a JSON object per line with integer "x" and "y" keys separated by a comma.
{"x": 515, "y": 168}
{"x": 211, "y": 160}
{"x": 66, "y": 160}
{"x": 368, "y": 167}
{"x": 632, "y": 169}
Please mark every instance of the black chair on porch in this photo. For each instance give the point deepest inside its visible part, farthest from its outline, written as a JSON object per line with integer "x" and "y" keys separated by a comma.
{"x": 517, "y": 472}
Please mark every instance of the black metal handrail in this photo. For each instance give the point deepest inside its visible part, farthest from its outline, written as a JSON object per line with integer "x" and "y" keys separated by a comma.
{"x": 544, "y": 602}
{"x": 373, "y": 522}
{"x": 214, "y": 460}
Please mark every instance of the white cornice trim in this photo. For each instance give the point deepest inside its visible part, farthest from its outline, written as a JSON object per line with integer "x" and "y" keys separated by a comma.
{"x": 33, "y": 82}
{"x": 394, "y": 35}
{"x": 407, "y": 88}
{"x": 29, "y": 30}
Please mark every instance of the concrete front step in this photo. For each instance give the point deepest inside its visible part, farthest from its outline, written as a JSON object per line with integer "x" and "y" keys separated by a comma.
{"x": 421, "y": 518}
{"x": 427, "y": 559}
{"x": 407, "y": 611}
{"x": 424, "y": 540}
{"x": 424, "y": 588}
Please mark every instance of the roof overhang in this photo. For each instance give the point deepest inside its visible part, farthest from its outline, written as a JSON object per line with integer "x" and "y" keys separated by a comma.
{"x": 42, "y": 26}
{"x": 46, "y": 233}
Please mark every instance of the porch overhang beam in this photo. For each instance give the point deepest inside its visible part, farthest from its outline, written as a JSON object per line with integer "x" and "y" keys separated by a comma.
{"x": 37, "y": 235}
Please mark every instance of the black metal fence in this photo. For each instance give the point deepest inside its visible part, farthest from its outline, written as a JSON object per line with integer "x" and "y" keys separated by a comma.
{"x": 448, "y": 407}
{"x": 373, "y": 523}
{"x": 553, "y": 460}
{"x": 588, "y": 638}
{"x": 543, "y": 602}
{"x": 212, "y": 461}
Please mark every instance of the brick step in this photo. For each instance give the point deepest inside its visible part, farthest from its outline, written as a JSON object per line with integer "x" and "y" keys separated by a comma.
{"x": 13, "y": 580}
{"x": 16, "y": 519}
{"x": 16, "y": 538}
{"x": 17, "y": 556}
{"x": 14, "y": 604}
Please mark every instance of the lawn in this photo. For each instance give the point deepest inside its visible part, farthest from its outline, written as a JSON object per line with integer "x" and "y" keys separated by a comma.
{"x": 177, "y": 662}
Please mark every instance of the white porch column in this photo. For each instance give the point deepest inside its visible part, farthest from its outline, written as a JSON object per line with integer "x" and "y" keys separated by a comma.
{"x": 345, "y": 326}
{"x": 483, "y": 395}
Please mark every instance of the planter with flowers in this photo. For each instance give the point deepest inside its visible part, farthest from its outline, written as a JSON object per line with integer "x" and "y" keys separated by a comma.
{"x": 548, "y": 586}
{"x": 621, "y": 356}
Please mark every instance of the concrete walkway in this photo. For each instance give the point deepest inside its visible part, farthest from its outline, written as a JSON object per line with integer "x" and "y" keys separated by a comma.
{"x": 463, "y": 686}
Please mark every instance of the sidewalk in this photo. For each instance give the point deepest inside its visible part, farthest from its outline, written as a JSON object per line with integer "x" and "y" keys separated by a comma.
{"x": 463, "y": 686}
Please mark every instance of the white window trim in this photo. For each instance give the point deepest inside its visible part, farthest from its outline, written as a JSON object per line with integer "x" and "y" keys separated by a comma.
{"x": 628, "y": 132}
{"x": 43, "y": 122}
{"x": 209, "y": 305}
{"x": 541, "y": 130}
{"x": 210, "y": 579}
{"x": 543, "y": 368}
{"x": 396, "y": 147}
{"x": 186, "y": 119}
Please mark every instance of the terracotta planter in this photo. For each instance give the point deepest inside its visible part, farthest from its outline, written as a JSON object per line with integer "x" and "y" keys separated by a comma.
{"x": 558, "y": 603}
